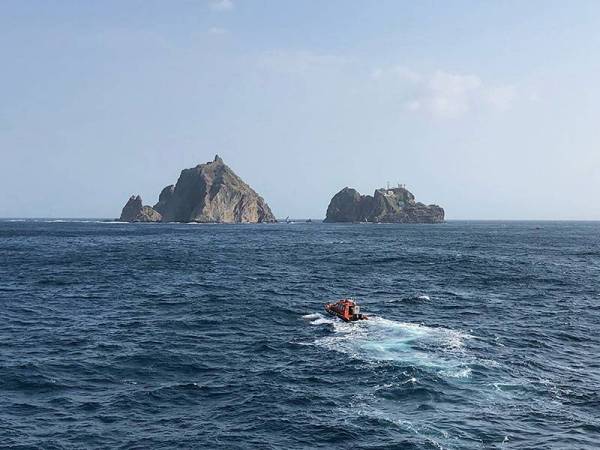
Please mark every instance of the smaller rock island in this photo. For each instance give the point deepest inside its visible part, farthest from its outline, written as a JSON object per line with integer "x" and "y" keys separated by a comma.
{"x": 207, "y": 193}
{"x": 391, "y": 205}
{"x": 134, "y": 211}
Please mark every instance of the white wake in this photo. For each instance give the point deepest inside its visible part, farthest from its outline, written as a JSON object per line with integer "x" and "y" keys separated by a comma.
{"x": 437, "y": 349}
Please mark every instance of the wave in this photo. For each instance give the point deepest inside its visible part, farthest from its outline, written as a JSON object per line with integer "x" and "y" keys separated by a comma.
{"x": 411, "y": 298}
{"x": 464, "y": 372}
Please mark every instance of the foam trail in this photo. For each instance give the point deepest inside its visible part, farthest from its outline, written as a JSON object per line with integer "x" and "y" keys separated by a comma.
{"x": 321, "y": 321}
{"x": 440, "y": 350}
{"x": 312, "y": 316}
{"x": 317, "y": 319}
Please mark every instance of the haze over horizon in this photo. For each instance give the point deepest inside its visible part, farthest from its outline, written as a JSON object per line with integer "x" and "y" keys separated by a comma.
{"x": 487, "y": 109}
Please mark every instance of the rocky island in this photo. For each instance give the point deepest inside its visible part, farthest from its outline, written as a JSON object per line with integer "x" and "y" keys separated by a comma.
{"x": 207, "y": 193}
{"x": 392, "y": 205}
{"x": 134, "y": 211}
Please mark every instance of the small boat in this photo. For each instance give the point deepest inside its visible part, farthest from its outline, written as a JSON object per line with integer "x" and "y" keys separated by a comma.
{"x": 346, "y": 309}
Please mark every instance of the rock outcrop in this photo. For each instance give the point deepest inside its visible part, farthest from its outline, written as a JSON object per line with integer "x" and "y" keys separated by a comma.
{"x": 164, "y": 198}
{"x": 395, "y": 205}
{"x": 134, "y": 211}
{"x": 208, "y": 193}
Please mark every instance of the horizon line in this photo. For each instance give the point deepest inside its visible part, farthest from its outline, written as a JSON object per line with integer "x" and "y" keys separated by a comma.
{"x": 283, "y": 219}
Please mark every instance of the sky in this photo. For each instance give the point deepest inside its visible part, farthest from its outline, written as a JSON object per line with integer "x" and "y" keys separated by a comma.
{"x": 490, "y": 109}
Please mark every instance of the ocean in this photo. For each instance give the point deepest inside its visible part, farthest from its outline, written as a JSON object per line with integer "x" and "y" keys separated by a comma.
{"x": 481, "y": 335}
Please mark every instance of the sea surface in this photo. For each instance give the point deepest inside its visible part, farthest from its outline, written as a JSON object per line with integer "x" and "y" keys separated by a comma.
{"x": 481, "y": 335}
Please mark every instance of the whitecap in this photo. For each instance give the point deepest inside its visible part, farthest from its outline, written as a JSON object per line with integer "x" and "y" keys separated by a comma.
{"x": 465, "y": 372}
{"x": 412, "y": 298}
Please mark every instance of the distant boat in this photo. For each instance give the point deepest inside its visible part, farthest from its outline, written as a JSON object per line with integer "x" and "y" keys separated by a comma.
{"x": 309, "y": 221}
{"x": 287, "y": 220}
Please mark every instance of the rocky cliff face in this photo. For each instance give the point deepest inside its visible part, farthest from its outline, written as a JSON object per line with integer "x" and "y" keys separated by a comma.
{"x": 212, "y": 193}
{"x": 208, "y": 193}
{"x": 164, "y": 198}
{"x": 349, "y": 206}
{"x": 134, "y": 211}
{"x": 396, "y": 205}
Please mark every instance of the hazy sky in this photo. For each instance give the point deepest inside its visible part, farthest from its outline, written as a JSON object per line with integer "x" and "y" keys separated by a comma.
{"x": 490, "y": 109}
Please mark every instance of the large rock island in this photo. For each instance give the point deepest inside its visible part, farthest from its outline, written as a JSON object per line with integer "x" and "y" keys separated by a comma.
{"x": 393, "y": 205}
{"x": 207, "y": 193}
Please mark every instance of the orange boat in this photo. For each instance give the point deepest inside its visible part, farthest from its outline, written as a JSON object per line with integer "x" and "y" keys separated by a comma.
{"x": 346, "y": 309}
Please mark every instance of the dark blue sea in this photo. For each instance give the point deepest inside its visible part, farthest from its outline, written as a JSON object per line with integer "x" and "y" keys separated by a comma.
{"x": 482, "y": 335}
